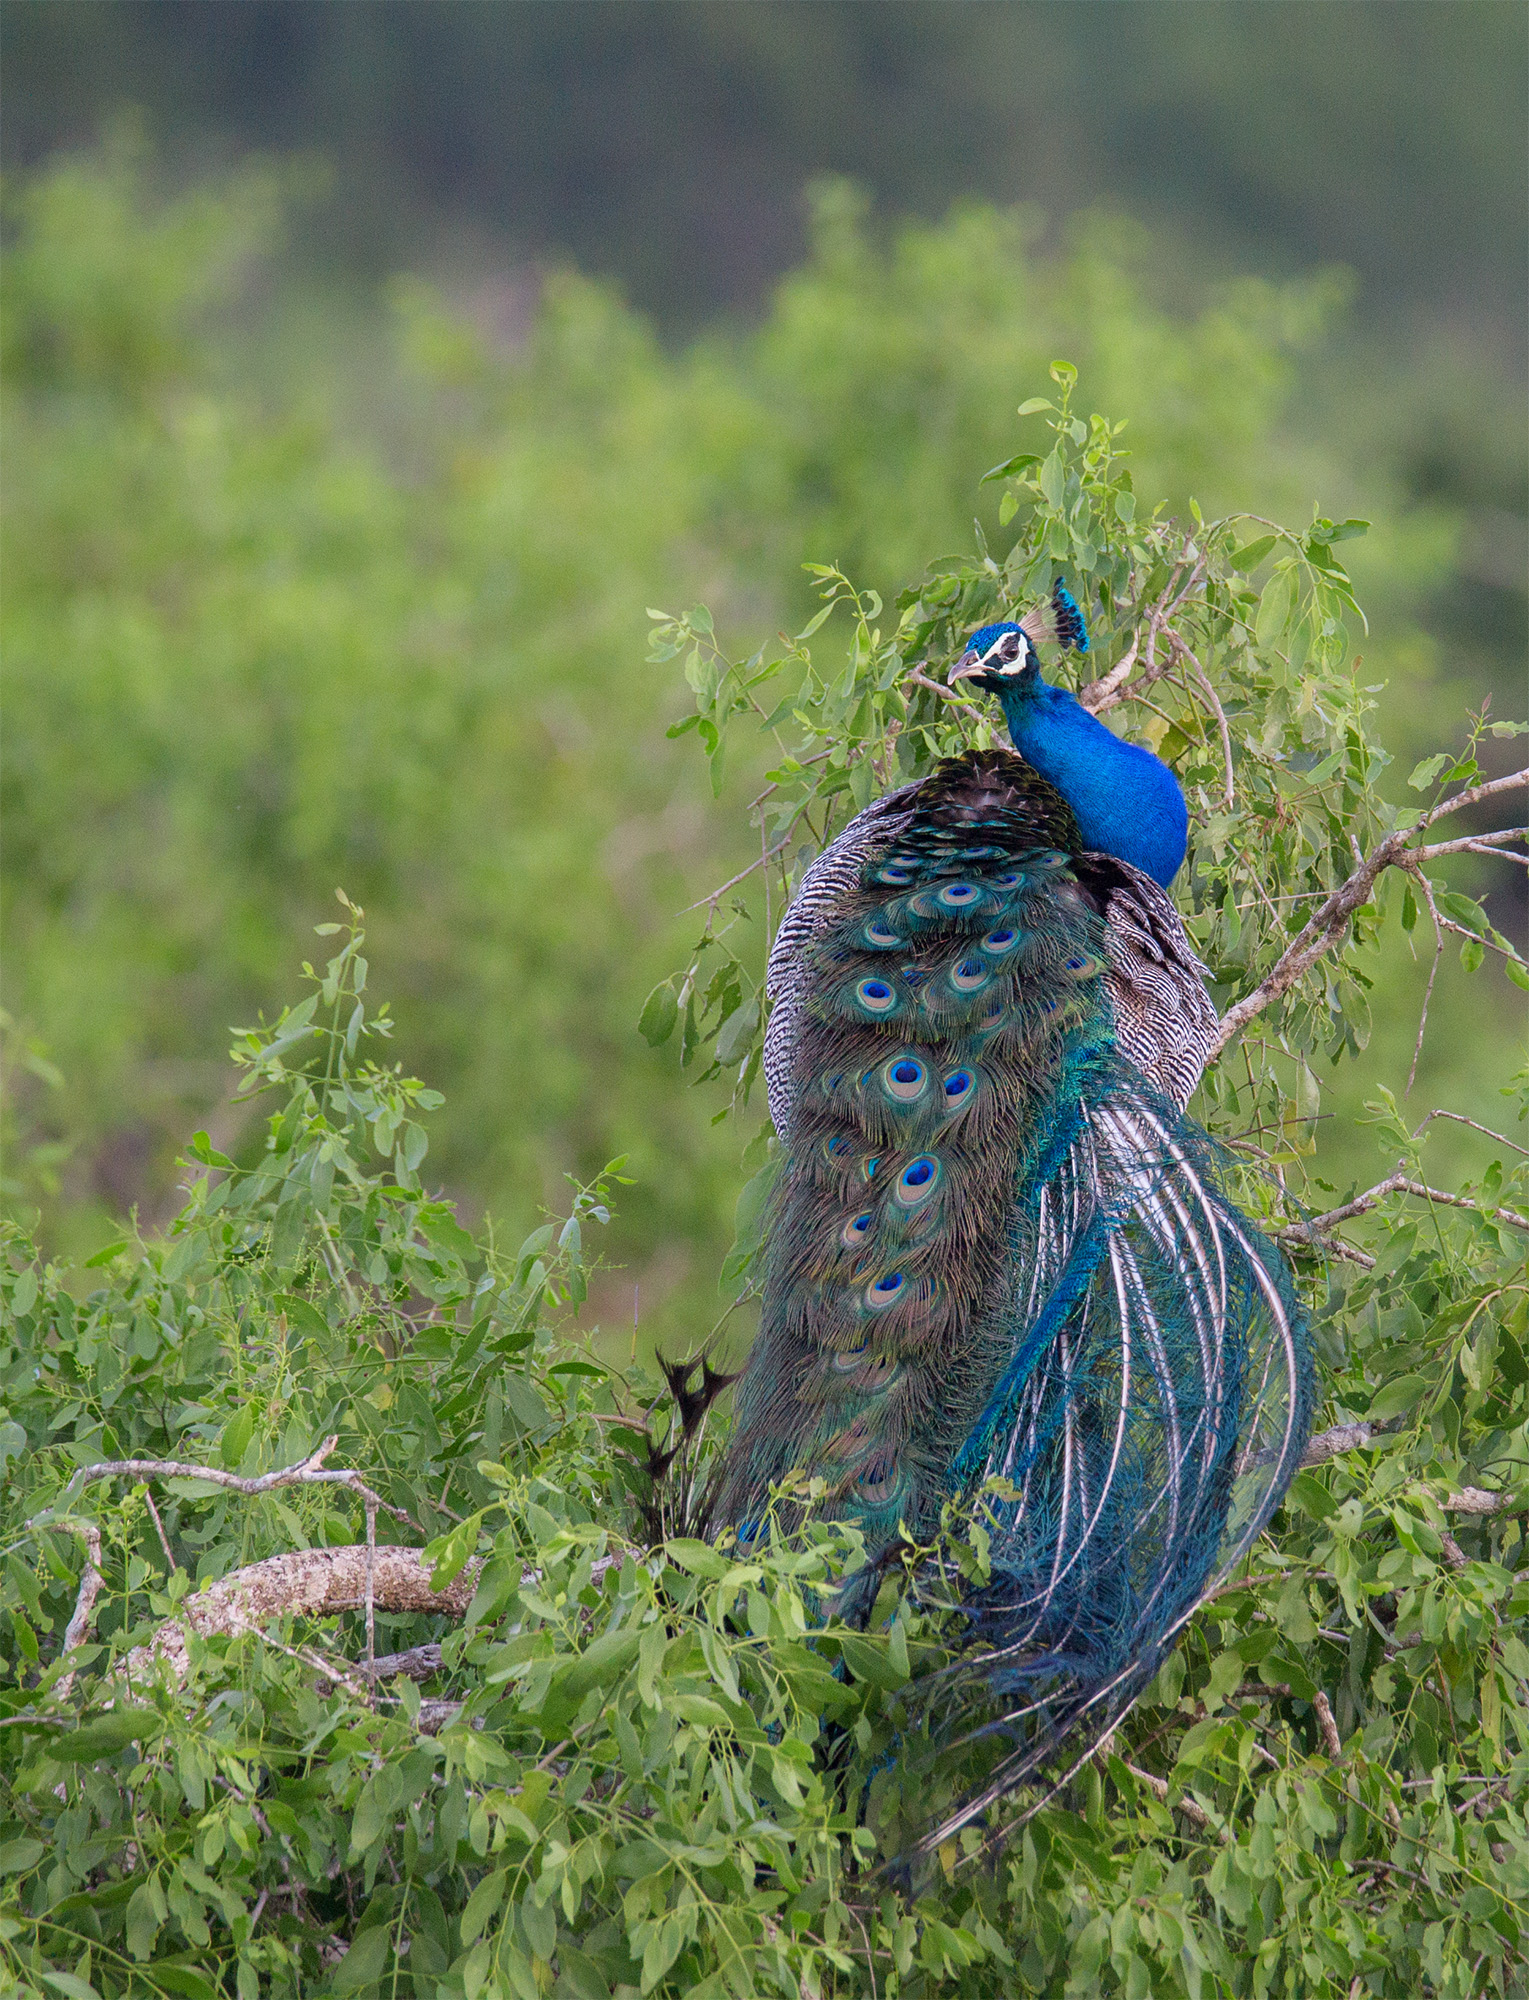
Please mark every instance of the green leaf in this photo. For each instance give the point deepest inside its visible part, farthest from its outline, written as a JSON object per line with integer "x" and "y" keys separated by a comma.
{"x": 107, "y": 1734}
{"x": 1012, "y": 467}
{"x": 363, "y": 1964}
{"x": 235, "y": 1438}
{"x": 203, "y": 1149}
{"x": 483, "y": 1904}
{"x": 67, "y": 1983}
{"x": 1251, "y": 554}
{"x": 737, "y": 1032}
{"x": 1423, "y": 774}
{"x": 195, "y": 1985}
{"x": 1397, "y": 1397}
{"x": 870, "y": 1660}
{"x": 17, "y": 1856}
{"x": 699, "y": 1558}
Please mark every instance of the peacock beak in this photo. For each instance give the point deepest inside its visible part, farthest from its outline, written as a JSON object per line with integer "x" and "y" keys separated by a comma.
{"x": 970, "y": 663}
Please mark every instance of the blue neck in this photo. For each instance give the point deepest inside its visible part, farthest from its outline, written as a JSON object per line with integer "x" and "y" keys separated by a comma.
{"x": 1126, "y": 801}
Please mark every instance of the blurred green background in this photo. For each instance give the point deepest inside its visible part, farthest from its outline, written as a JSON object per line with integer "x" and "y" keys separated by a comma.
{"x": 368, "y": 369}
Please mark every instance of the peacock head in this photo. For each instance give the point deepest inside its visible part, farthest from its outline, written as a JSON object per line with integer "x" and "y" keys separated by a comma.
{"x": 999, "y": 657}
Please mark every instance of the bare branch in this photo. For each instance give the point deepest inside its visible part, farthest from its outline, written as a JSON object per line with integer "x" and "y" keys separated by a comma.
{"x": 313, "y": 1583}
{"x": 1300, "y": 1238}
{"x": 91, "y": 1579}
{"x": 1480, "y": 843}
{"x": 1459, "y": 1118}
{"x": 307, "y": 1473}
{"x": 1332, "y": 1741}
{"x": 1331, "y": 917}
{"x": 1476, "y": 1500}
{"x": 1488, "y": 790}
{"x": 1341, "y": 1438}
{"x": 1399, "y": 1183}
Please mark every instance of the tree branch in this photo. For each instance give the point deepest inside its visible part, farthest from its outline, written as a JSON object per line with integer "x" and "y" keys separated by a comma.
{"x": 1322, "y": 930}
{"x": 1341, "y": 1438}
{"x": 1399, "y": 1183}
{"x": 307, "y": 1473}
{"x": 315, "y": 1583}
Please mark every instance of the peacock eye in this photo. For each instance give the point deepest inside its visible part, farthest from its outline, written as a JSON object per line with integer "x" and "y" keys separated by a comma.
{"x": 878, "y": 1482}
{"x": 857, "y": 1231}
{"x": 875, "y": 996}
{"x": 958, "y": 895}
{"x": 904, "y": 1078}
{"x": 958, "y": 1087}
{"x": 917, "y": 1181}
{"x": 883, "y": 1290}
{"x": 999, "y": 941}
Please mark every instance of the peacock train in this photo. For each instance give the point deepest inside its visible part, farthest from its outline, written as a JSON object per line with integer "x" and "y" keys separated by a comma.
{"x": 1001, "y": 1259}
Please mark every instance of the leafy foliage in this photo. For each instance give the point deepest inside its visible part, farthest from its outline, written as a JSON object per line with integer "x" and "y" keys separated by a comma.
{"x": 676, "y": 1772}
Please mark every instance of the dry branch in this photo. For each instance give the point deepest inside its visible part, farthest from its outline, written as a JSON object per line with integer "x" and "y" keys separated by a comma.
{"x": 309, "y": 1472}
{"x": 1330, "y": 919}
{"x": 316, "y": 1583}
{"x": 1341, "y": 1438}
{"x": 1400, "y": 1183}
{"x": 1332, "y": 1742}
{"x": 1476, "y": 1500}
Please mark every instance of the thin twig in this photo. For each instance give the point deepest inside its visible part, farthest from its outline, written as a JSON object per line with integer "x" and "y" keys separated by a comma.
{"x": 1459, "y": 1118}
{"x": 159, "y": 1528}
{"x": 946, "y": 694}
{"x": 711, "y": 901}
{"x": 1217, "y": 710}
{"x": 371, "y": 1584}
{"x": 1433, "y": 972}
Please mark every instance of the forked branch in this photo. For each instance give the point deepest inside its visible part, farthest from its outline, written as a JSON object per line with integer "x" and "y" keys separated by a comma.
{"x": 1331, "y": 918}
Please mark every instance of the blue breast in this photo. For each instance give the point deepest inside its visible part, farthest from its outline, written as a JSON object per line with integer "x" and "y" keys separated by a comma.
{"x": 1126, "y": 801}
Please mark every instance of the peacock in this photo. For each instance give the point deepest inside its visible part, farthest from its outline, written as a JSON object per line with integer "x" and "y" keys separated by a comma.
{"x": 1000, "y": 1258}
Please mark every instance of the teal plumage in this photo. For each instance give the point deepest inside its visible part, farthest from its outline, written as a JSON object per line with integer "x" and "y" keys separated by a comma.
{"x": 998, "y": 1247}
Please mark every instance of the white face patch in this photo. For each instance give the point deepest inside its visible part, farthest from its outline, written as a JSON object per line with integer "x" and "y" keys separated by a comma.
{"x": 1008, "y": 654}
